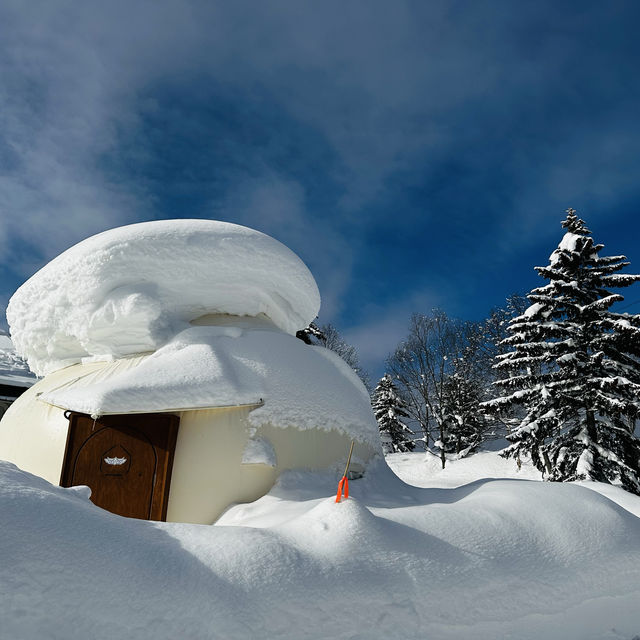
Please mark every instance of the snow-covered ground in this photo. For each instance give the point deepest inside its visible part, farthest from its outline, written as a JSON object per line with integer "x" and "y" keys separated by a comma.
{"x": 491, "y": 558}
{"x": 425, "y": 470}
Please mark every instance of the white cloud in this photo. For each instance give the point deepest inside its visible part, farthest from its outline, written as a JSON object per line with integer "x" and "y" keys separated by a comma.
{"x": 383, "y": 85}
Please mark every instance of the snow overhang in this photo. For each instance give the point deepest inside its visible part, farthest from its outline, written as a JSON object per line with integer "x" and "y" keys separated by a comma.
{"x": 130, "y": 289}
{"x": 288, "y": 383}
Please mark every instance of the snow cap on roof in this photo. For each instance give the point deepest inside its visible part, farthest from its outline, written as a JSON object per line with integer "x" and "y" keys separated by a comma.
{"x": 130, "y": 289}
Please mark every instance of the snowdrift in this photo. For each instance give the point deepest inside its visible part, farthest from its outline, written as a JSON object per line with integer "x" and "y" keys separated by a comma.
{"x": 490, "y": 559}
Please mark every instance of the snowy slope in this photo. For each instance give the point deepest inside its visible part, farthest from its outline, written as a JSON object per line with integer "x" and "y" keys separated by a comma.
{"x": 491, "y": 559}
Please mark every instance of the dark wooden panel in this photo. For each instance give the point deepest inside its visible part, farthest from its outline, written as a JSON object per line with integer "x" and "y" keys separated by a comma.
{"x": 126, "y": 460}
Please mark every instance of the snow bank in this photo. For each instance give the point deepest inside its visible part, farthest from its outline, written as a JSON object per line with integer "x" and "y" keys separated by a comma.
{"x": 70, "y": 570}
{"x": 494, "y": 559}
{"x": 129, "y": 290}
{"x": 425, "y": 469}
{"x": 296, "y": 385}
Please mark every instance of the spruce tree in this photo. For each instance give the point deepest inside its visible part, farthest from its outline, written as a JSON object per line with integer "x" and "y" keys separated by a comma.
{"x": 389, "y": 410}
{"x": 466, "y": 427}
{"x": 574, "y": 367}
{"x": 309, "y": 332}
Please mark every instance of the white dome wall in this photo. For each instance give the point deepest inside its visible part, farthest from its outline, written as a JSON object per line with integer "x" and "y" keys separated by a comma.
{"x": 208, "y": 474}
{"x": 33, "y": 434}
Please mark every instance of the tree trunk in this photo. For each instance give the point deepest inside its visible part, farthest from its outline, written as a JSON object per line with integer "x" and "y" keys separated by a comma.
{"x": 547, "y": 462}
{"x": 425, "y": 432}
{"x": 442, "y": 454}
{"x": 591, "y": 426}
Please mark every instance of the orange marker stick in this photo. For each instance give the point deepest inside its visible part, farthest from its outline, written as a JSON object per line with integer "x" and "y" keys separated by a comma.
{"x": 343, "y": 485}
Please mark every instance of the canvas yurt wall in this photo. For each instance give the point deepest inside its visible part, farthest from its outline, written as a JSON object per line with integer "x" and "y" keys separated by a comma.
{"x": 211, "y": 469}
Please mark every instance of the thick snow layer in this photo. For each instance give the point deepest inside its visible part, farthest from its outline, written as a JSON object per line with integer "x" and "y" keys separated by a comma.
{"x": 568, "y": 244}
{"x": 491, "y": 559}
{"x": 296, "y": 385}
{"x": 130, "y": 289}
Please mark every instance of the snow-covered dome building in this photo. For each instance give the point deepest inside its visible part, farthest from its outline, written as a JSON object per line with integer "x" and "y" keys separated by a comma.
{"x": 172, "y": 381}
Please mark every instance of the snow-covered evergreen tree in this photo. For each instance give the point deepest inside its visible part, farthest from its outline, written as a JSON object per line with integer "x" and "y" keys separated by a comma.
{"x": 462, "y": 395}
{"x": 389, "y": 410}
{"x": 493, "y": 331}
{"x": 574, "y": 366}
{"x": 309, "y": 332}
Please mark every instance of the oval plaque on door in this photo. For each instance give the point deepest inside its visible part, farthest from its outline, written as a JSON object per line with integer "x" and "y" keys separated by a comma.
{"x": 115, "y": 461}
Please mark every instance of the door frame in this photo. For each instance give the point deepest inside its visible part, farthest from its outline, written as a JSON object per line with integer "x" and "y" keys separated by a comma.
{"x": 164, "y": 448}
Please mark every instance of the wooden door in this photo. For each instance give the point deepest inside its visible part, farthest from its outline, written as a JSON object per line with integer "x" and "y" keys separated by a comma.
{"x": 126, "y": 460}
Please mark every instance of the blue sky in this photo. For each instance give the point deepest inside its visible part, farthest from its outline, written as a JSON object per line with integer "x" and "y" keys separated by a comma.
{"x": 414, "y": 154}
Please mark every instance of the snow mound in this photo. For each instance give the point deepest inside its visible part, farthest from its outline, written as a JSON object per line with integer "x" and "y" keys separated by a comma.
{"x": 130, "y": 289}
{"x": 296, "y": 385}
{"x": 492, "y": 559}
{"x": 120, "y": 576}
